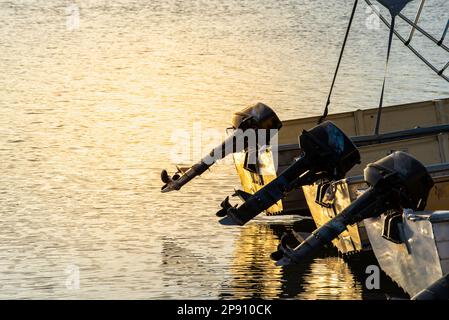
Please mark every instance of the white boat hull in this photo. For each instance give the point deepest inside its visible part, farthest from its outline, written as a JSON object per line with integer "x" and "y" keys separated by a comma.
{"x": 422, "y": 258}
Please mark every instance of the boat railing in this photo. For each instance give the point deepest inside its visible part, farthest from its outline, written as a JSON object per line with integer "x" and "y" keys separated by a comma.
{"x": 418, "y": 132}
{"x": 361, "y": 141}
{"x": 434, "y": 170}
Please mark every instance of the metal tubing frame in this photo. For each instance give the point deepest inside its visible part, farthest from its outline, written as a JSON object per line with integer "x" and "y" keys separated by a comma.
{"x": 418, "y": 15}
{"x": 404, "y": 41}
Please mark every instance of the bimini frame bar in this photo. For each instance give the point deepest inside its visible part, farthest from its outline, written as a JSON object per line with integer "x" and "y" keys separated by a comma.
{"x": 444, "y": 33}
{"x": 418, "y": 15}
{"x": 406, "y": 42}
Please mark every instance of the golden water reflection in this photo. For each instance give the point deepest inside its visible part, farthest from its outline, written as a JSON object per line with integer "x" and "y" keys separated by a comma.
{"x": 327, "y": 276}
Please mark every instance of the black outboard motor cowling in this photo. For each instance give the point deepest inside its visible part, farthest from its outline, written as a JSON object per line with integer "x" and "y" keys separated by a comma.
{"x": 330, "y": 149}
{"x": 258, "y": 117}
{"x": 412, "y": 175}
{"x": 396, "y": 182}
{"x": 326, "y": 153}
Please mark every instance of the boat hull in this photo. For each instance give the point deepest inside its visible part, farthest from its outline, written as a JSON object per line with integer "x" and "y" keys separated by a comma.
{"x": 422, "y": 258}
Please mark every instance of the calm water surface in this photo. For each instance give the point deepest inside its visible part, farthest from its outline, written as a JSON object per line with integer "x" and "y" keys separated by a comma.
{"x": 87, "y": 117}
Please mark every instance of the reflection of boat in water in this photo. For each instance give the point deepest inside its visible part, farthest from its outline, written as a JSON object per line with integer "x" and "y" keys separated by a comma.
{"x": 325, "y": 276}
{"x": 189, "y": 271}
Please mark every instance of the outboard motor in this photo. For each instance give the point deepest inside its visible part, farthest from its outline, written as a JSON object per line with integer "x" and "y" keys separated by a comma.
{"x": 254, "y": 118}
{"x": 326, "y": 153}
{"x": 396, "y": 182}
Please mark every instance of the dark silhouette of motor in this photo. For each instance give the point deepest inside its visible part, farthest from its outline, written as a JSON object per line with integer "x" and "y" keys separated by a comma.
{"x": 396, "y": 182}
{"x": 326, "y": 153}
{"x": 259, "y": 117}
